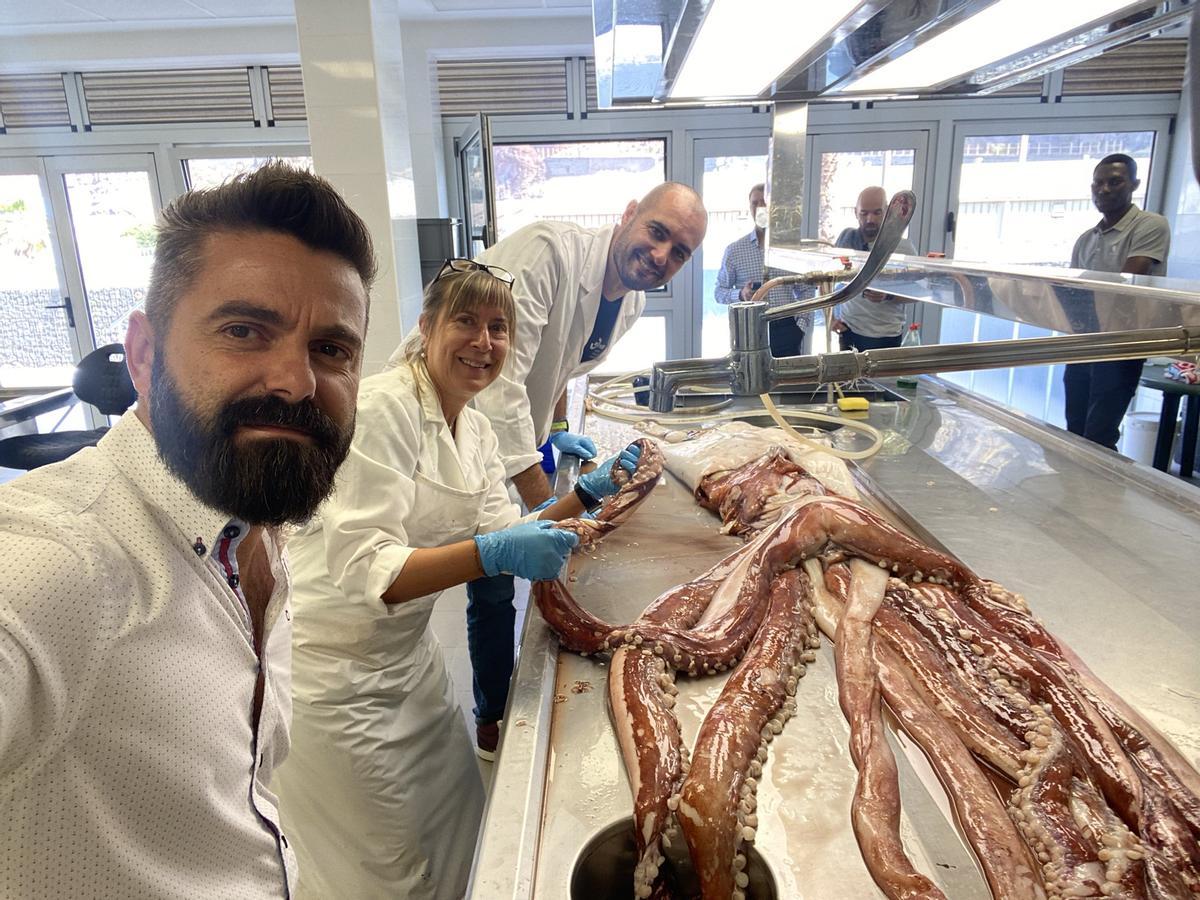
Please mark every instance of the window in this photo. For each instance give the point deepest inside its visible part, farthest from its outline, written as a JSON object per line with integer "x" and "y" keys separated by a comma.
{"x": 35, "y": 344}
{"x": 207, "y": 173}
{"x": 1025, "y": 198}
{"x": 639, "y": 348}
{"x": 112, "y": 219}
{"x": 588, "y": 182}
{"x": 845, "y": 173}
{"x": 725, "y": 187}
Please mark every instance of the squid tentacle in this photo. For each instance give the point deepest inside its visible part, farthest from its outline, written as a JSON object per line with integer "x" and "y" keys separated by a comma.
{"x": 717, "y": 807}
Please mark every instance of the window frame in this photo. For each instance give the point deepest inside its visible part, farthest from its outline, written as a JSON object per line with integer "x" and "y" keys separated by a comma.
{"x": 1154, "y": 182}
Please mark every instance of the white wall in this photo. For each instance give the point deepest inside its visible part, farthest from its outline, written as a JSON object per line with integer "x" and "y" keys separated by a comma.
{"x": 175, "y": 48}
{"x": 425, "y": 42}
{"x": 1182, "y": 206}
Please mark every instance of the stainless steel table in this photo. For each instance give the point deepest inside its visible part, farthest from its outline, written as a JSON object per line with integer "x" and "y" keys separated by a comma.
{"x": 1103, "y": 548}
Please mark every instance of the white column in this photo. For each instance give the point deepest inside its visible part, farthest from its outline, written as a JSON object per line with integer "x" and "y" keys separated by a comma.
{"x": 358, "y": 130}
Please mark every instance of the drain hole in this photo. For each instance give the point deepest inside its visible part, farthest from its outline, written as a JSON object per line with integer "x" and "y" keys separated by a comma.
{"x": 604, "y": 868}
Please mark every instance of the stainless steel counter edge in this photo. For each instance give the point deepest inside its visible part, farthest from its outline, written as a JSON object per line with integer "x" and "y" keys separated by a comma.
{"x": 509, "y": 835}
{"x": 506, "y": 853}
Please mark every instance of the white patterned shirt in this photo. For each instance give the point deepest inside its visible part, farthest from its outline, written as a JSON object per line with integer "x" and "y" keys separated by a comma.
{"x": 129, "y": 766}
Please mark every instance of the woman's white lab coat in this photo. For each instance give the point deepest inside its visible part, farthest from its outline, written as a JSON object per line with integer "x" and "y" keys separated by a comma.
{"x": 381, "y": 794}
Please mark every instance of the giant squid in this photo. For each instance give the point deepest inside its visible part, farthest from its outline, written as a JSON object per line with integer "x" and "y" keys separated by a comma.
{"x": 1061, "y": 788}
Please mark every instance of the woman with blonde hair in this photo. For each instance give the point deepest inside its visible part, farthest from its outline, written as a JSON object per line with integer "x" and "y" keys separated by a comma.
{"x": 381, "y": 794}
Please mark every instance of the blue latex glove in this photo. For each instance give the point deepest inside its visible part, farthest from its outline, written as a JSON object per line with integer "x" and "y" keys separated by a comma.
{"x": 532, "y": 550}
{"x": 599, "y": 481}
{"x": 575, "y": 444}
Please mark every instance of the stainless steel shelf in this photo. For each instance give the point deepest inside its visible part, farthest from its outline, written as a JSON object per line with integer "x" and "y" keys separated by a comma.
{"x": 1073, "y": 301}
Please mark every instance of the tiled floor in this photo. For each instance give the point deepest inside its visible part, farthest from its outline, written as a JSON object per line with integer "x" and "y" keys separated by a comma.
{"x": 449, "y": 623}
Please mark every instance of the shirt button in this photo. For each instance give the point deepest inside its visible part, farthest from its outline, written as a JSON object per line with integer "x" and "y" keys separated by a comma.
{"x": 199, "y": 547}
{"x": 231, "y": 531}
{"x": 234, "y": 581}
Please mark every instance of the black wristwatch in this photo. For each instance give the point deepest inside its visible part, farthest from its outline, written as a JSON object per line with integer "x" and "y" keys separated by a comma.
{"x": 589, "y": 502}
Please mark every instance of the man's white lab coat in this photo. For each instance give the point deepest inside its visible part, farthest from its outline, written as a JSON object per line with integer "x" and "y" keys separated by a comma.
{"x": 559, "y": 271}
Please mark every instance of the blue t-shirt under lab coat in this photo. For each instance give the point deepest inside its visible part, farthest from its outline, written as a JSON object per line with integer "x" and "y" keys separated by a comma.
{"x": 602, "y": 331}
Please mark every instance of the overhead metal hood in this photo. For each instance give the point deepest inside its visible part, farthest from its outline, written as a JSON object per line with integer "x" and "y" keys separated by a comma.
{"x": 642, "y": 45}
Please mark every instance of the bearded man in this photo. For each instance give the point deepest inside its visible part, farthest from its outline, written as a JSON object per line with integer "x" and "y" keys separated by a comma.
{"x": 144, "y": 620}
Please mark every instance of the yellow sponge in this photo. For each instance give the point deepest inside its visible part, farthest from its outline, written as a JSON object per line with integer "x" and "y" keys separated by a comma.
{"x": 850, "y": 404}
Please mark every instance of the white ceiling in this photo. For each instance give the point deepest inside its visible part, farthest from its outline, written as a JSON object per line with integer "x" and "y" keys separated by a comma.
{"x": 51, "y": 16}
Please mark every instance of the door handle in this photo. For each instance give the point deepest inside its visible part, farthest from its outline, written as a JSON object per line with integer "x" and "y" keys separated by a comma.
{"x": 65, "y": 306}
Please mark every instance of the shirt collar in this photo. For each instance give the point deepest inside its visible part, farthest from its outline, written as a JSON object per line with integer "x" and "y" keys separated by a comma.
{"x": 1125, "y": 221}
{"x": 131, "y": 448}
{"x": 754, "y": 236}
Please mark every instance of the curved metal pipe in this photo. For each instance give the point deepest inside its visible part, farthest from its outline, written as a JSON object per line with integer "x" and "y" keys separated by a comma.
{"x": 899, "y": 212}
{"x": 733, "y": 373}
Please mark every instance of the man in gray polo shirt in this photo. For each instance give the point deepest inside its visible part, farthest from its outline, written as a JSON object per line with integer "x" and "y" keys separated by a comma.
{"x": 875, "y": 319}
{"x": 1126, "y": 239}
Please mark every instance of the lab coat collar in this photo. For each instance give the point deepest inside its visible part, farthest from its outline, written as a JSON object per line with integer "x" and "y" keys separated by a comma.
{"x": 431, "y": 406}
{"x": 597, "y": 261}
{"x": 432, "y": 412}
{"x": 591, "y": 287}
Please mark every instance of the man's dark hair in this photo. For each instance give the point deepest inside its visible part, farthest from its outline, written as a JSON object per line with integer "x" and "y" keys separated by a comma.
{"x": 274, "y": 198}
{"x": 1125, "y": 159}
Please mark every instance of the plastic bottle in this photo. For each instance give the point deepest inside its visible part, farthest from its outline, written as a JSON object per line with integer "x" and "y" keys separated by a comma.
{"x": 912, "y": 338}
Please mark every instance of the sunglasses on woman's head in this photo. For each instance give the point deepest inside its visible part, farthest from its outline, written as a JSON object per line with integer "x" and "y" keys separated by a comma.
{"x": 469, "y": 265}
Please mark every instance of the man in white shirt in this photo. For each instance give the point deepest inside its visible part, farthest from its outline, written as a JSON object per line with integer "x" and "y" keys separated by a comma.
{"x": 1126, "y": 239}
{"x": 577, "y": 291}
{"x": 144, "y": 614}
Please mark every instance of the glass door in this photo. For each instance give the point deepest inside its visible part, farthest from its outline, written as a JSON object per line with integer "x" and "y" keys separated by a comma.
{"x": 39, "y": 344}
{"x": 727, "y": 169}
{"x": 841, "y": 165}
{"x": 477, "y": 189}
{"x": 105, "y": 209}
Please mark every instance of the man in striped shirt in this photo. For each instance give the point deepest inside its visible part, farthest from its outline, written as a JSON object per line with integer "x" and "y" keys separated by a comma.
{"x": 742, "y": 273}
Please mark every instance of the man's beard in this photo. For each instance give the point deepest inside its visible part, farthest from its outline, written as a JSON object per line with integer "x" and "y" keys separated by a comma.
{"x": 262, "y": 481}
{"x": 631, "y": 272}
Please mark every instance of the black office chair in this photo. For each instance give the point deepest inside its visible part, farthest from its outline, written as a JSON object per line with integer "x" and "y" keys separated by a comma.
{"x": 102, "y": 380}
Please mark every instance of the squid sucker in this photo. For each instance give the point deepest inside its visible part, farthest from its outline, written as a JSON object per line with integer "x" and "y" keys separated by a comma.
{"x": 1060, "y": 787}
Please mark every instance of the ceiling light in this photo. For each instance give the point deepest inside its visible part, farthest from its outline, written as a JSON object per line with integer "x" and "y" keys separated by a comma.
{"x": 992, "y": 34}
{"x": 744, "y": 45}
